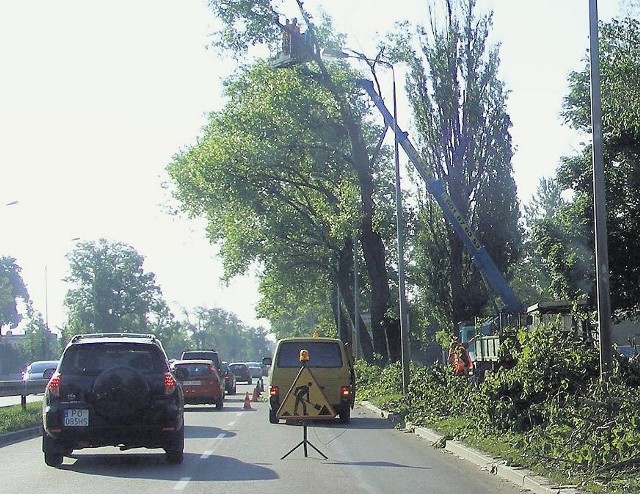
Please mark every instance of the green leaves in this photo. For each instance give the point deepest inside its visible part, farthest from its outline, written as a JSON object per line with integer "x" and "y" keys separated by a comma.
{"x": 111, "y": 292}
{"x": 12, "y": 288}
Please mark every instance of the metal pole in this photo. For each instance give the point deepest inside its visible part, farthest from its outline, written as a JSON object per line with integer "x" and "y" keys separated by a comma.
{"x": 404, "y": 337}
{"x": 356, "y": 313}
{"x": 46, "y": 298}
{"x": 599, "y": 201}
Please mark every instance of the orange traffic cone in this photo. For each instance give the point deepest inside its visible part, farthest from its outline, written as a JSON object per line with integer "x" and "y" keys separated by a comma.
{"x": 256, "y": 394}
{"x": 247, "y": 401}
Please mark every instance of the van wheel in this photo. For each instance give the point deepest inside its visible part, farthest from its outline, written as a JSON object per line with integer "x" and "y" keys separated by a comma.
{"x": 273, "y": 418}
{"x": 219, "y": 404}
{"x": 345, "y": 416}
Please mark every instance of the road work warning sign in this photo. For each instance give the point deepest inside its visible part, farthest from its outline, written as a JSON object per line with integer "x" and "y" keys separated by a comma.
{"x": 305, "y": 400}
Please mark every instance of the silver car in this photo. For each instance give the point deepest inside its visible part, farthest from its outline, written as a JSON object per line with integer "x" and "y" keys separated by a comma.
{"x": 40, "y": 370}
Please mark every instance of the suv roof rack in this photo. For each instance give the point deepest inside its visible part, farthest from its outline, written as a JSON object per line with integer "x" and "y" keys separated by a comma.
{"x": 79, "y": 337}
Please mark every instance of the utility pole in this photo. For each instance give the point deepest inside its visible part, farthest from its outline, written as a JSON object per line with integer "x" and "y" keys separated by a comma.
{"x": 599, "y": 200}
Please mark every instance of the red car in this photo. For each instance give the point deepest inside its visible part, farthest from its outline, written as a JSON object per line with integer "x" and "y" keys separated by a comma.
{"x": 200, "y": 381}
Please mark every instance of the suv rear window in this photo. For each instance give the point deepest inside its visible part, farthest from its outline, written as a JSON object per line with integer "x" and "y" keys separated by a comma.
{"x": 202, "y": 355}
{"x": 321, "y": 354}
{"x": 93, "y": 359}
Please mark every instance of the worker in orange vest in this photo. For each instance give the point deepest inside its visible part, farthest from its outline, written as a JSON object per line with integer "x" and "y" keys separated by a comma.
{"x": 459, "y": 358}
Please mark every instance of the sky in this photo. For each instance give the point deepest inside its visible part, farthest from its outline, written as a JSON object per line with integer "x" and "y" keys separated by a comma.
{"x": 97, "y": 97}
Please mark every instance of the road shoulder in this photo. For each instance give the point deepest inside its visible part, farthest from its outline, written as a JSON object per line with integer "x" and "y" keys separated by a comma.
{"x": 519, "y": 476}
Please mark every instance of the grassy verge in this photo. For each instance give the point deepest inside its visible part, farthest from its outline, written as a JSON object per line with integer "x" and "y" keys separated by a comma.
{"x": 14, "y": 418}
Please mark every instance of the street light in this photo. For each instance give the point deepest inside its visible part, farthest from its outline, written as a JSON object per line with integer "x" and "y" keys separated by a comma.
{"x": 599, "y": 202}
{"x": 404, "y": 337}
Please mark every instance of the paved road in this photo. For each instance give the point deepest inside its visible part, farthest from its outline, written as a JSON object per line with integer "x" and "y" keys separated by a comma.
{"x": 237, "y": 451}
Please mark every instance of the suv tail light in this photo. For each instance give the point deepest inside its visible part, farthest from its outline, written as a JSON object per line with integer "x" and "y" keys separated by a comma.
{"x": 170, "y": 383}
{"x": 274, "y": 390}
{"x": 54, "y": 384}
{"x": 345, "y": 392}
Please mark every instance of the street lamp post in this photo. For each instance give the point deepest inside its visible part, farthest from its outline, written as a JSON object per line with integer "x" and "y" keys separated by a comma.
{"x": 599, "y": 203}
{"x": 399, "y": 223}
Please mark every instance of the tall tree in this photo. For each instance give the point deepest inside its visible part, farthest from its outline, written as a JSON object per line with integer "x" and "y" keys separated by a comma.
{"x": 311, "y": 163}
{"x": 620, "y": 93}
{"x": 222, "y": 331}
{"x": 459, "y": 104}
{"x": 111, "y": 292}
{"x": 532, "y": 279}
{"x": 12, "y": 290}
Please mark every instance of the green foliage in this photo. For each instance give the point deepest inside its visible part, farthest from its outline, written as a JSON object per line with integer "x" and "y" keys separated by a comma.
{"x": 223, "y": 331}
{"x": 549, "y": 411}
{"x": 12, "y": 289}
{"x": 551, "y": 367}
{"x": 14, "y": 418}
{"x": 566, "y": 239}
{"x": 110, "y": 292}
{"x": 458, "y": 103}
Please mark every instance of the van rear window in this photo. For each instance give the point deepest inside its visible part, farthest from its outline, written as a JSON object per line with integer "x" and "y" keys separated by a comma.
{"x": 321, "y": 354}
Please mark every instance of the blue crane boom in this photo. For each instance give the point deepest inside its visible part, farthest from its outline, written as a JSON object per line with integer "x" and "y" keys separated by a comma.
{"x": 478, "y": 253}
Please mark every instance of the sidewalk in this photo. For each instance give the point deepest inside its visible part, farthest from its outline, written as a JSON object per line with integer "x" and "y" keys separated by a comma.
{"x": 519, "y": 476}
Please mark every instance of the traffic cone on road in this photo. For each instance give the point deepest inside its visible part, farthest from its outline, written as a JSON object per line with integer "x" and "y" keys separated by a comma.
{"x": 256, "y": 394}
{"x": 247, "y": 401}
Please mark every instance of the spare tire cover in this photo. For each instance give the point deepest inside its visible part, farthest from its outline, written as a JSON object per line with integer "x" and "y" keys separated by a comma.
{"x": 119, "y": 392}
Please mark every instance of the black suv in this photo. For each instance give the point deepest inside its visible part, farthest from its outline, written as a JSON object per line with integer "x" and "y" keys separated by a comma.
{"x": 203, "y": 355}
{"x": 113, "y": 389}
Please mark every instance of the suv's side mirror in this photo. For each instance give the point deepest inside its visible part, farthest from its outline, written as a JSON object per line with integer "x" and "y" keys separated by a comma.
{"x": 266, "y": 361}
{"x": 48, "y": 373}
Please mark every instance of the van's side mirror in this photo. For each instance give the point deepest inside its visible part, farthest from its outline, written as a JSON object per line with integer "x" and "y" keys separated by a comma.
{"x": 266, "y": 361}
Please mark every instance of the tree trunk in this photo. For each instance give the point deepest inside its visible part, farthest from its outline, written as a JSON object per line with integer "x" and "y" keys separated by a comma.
{"x": 345, "y": 283}
{"x": 372, "y": 244}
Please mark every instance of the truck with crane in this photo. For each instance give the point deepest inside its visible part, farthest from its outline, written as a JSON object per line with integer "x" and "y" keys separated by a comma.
{"x": 481, "y": 338}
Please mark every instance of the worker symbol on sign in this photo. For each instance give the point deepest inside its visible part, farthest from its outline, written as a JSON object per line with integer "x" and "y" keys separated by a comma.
{"x": 302, "y": 398}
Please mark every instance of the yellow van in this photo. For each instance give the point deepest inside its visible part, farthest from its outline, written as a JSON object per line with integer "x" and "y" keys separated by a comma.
{"x": 329, "y": 363}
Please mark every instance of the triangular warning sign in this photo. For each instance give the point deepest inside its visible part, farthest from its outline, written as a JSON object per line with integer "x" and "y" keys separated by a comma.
{"x": 305, "y": 400}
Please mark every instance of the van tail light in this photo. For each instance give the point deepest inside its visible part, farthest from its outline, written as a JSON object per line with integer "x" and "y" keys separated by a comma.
{"x": 53, "y": 386}
{"x": 274, "y": 390}
{"x": 345, "y": 392}
{"x": 170, "y": 383}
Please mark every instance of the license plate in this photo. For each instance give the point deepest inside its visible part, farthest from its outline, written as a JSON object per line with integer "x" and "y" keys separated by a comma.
{"x": 76, "y": 418}
{"x": 192, "y": 383}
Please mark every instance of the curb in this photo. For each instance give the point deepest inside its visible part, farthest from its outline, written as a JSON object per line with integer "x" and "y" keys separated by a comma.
{"x": 21, "y": 435}
{"x": 519, "y": 476}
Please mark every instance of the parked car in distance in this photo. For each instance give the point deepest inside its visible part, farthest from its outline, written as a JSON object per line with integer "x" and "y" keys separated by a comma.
{"x": 255, "y": 368}
{"x": 229, "y": 379}
{"x": 112, "y": 389}
{"x": 40, "y": 370}
{"x": 200, "y": 382}
{"x": 242, "y": 372}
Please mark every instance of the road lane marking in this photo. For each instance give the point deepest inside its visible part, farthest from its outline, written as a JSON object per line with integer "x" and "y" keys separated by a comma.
{"x": 209, "y": 452}
{"x": 182, "y": 484}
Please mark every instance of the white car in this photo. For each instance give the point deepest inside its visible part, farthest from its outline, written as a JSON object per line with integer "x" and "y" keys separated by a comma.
{"x": 40, "y": 370}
